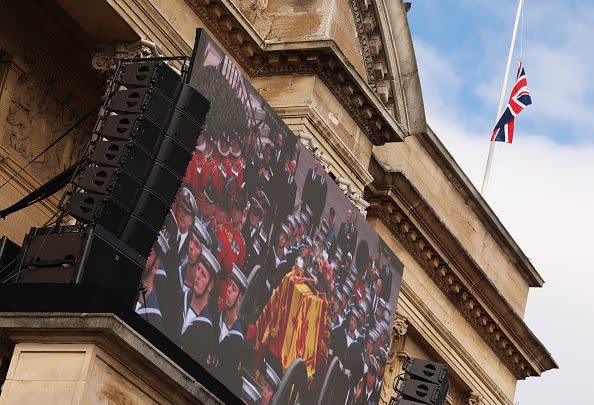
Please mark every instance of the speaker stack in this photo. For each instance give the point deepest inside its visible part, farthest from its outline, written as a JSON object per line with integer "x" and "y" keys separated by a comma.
{"x": 144, "y": 141}
{"x": 423, "y": 382}
{"x": 137, "y": 164}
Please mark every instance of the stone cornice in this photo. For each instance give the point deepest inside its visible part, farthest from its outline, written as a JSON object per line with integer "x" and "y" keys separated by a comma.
{"x": 322, "y": 57}
{"x": 411, "y": 219}
{"x": 472, "y": 197}
{"x": 423, "y": 323}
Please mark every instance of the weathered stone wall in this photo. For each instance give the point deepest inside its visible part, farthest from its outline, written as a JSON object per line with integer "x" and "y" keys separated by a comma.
{"x": 282, "y": 21}
{"x": 445, "y": 330}
{"x": 422, "y": 170}
{"x": 46, "y": 84}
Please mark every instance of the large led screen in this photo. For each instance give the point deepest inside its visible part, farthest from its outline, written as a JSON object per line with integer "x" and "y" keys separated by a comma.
{"x": 264, "y": 272}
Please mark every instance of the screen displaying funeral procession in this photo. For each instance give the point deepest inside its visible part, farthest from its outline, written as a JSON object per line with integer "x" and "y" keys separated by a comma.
{"x": 264, "y": 272}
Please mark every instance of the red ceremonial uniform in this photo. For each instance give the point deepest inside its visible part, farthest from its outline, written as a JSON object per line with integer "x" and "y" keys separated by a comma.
{"x": 237, "y": 166}
{"x": 231, "y": 250}
{"x": 199, "y": 171}
{"x": 221, "y": 173}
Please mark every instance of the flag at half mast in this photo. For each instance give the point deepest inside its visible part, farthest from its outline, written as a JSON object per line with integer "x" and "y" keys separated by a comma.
{"x": 518, "y": 100}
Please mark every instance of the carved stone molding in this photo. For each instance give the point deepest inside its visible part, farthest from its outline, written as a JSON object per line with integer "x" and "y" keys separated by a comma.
{"x": 451, "y": 284}
{"x": 472, "y": 399}
{"x": 346, "y": 185}
{"x": 11, "y": 70}
{"x": 104, "y": 59}
{"x": 316, "y": 150}
{"x": 353, "y": 193}
{"x": 400, "y": 325}
{"x": 32, "y": 111}
{"x": 322, "y": 58}
{"x": 373, "y": 50}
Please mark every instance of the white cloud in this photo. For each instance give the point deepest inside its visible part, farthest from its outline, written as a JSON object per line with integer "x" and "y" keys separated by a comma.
{"x": 543, "y": 194}
{"x": 559, "y": 63}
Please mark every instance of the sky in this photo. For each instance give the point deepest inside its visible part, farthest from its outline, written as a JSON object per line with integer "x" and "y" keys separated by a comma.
{"x": 542, "y": 185}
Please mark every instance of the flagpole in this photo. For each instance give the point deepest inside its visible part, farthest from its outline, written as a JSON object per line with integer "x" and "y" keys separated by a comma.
{"x": 501, "y": 99}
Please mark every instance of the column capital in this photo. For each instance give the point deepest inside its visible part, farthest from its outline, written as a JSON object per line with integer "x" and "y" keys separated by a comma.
{"x": 473, "y": 398}
{"x": 105, "y": 57}
{"x": 400, "y": 325}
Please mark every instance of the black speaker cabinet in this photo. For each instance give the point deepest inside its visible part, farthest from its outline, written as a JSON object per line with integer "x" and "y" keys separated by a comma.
{"x": 404, "y": 402}
{"x": 146, "y": 100}
{"x": 98, "y": 208}
{"x": 156, "y": 74}
{"x": 421, "y": 391}
{"x": 429, "y": 371}
{"x": 126, "y": 155}
{"x": 140, "y": 234}
{"x": 174, "y": 155}
{"x": 108, "y": 180}
{"x": 8, "y": 254}
{"x": 132, "y": 127}
{"x": 184, "y": 129}
{"x": 193, "y": 103}
{"x": 91, "y": 257}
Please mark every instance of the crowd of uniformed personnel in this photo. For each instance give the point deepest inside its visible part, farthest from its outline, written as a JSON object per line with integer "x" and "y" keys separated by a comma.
{"x": 237, "y": 214}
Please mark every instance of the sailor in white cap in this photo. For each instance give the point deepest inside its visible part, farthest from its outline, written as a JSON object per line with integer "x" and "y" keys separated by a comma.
{"x": 231, "y": 341}
{"x": 198, "y": 335}
{"x": 370, "y": 344}
{"x": 270, "y": 384}
{"x": 366, "y": 390}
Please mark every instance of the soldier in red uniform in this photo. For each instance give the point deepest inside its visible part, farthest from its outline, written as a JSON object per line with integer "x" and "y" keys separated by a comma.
{"x": 201, "y": 166}
{"x": 221, "y": 174}
{"x": 237, "y": 163}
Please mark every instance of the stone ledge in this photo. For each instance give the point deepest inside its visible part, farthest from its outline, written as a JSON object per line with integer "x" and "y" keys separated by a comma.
{"x": 470, "y": 194}
{"x": 113, "y": 336}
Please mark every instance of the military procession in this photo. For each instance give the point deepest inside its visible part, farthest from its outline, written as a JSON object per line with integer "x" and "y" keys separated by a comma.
{"x": 255, "y": 258}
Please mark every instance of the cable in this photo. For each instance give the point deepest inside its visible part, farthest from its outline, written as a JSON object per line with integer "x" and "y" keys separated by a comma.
{"x": 80, "y": 121}
{"x": 44, "y": 191}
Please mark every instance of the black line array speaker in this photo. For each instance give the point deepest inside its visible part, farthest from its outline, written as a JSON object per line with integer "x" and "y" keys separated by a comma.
{"x": 425, "y": 370}
{"x": 420, "y": 391}
{"x": 8, "y": 253}
{"x": 145, "y": 142}
{"x": 423, "y": 382}
{"x": 91, "y": 256}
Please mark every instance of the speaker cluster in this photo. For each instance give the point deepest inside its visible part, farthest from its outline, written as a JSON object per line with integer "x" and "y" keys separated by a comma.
{"x": 423, "y": 382}
{"x": 144, "y": 143}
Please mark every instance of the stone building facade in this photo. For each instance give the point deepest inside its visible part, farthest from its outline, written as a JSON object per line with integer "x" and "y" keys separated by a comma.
{"x": 343, "y": 76}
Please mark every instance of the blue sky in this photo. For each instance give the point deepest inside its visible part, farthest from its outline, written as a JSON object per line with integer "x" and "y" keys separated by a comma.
{"x": 542, "y": 187}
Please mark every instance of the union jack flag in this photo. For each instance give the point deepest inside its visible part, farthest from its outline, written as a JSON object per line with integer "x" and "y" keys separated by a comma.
{"x": 518, "y": 100}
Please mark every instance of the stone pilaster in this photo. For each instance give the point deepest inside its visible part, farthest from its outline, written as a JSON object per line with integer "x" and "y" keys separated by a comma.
{"x": 395, "y": 357}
